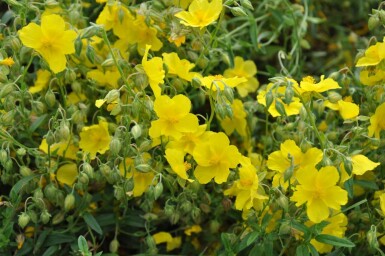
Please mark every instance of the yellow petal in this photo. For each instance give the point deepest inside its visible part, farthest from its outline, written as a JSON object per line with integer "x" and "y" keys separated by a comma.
{"x": 67, "y": 174}
{"x": 362, "y": 164}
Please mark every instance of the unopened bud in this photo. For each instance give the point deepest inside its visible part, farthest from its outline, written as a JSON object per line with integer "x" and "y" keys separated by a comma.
{"x": 373, "y": 22}
{"x": 69, "y": 76}
{"x": 112, "y": 95}
{"x": 25, "y": 171}
{"x": 50, "y": 98}
{"x": 238, "y": 11}
{"x": 57, "y": 218}
{"x": 23, "y": 219}
{"x": 69, "y": 202}
{"x": 114, "y": 246}
{"x": 136, "y": 131}
{"x": 45, "y": 216}
{"x": 115, "y": 146}
{"x": 158, "y": 189}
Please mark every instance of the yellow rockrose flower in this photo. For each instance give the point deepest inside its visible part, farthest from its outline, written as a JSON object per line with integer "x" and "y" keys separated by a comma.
{"x": 347, "y": 109}
{"x": 218, "y": 82}
{"x": 95, "y": 139}
{"x": 189, "y": 140}
{"x": 154, "y": 71}
{"x": 377, "y": 122}
{"x": 109, "y": 78}
{"x": 319, "y": 191}
{"x": 165, "y": 237}
{"x": 51, "y": 40}
{"x": 176, "y": 160}
{"x": 67, "y": 174}
{"x": 193, "y": 229}
{"x": 308, "y": 84}
{"x": 369, "y": 76}
{"x": 201, "y": 13}
{"x": 178, "y": 67}
{"x": 214, "y": 158}
{"x": 373, "y": 55}
{"x": 7, "y": 62}
{"x": 174, "y": 117}
{"x": 246, "y": 69}
{"x": 42, "y": 80}
{"x": 238, "y": 121}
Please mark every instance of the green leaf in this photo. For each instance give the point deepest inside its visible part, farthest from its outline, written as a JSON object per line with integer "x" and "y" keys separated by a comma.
{"x": 226, "y": 242}
{"x": 51, "y": 250}
{"x": 82, "y": 244}
{"x": 92, "y": 223}
{"x": 333, "y": 240}
{"x": 302, "y": 250}
{"x": 37, "y": 123}
{"x": 348, "y": 185}
{"x": 58, "y": 238}
{"x": 42, "y": 237}
{"x": 253, "y": 236}
{"x": 313, "y": 250}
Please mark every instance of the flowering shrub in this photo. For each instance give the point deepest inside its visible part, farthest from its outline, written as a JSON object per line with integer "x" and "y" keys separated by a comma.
{"x": 192, "y": 127}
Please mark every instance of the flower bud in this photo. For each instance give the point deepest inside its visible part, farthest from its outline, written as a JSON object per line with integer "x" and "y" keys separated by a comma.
{"x": 372, "y": 238}
{"x": 69, "y": 76}
{"x": 78, "y": 117}
{"x": 169, "y": 209}
{"x": 186, "y": 206}
{"x": 247, "y": 4}
{"x": 195, "y": 213}
{"x": 115, "y": 146}
{"x": 119, "y": 193}
{"x": 373, "y": 22}
{"x": 3, "y": 156}
{"x": 105, "y": 170}
{"x": 158, "y": 189}
{"x": 88, "y": 170}
{"x": 33, "y": 216}
{"x": 174, "y": 218}
{"x": 69, "y": 202}
{"x": 64, "y": 131}
{"x": 112, "y": 95}
{"x": 57, "y": 218}
{"x": 45, "y": 216}
{"x": 238, "y": 11}
{"x": 214, "y": 226}
{"x": 25, "y": 171}
{"x": 283, "y": 202}
{"x": 50, "y": 192}
{"x": 229, "y": 93}
{"x": 114, "y": 246}
{"x": 136, "y": 131}
{"x": 143, "y": 168}
{"x": 76, "y": 87}
{"x": 23, "y": 219}
{"x": 50, "y": 98}
{"x": 6, "y": 89}
{"x": 8, "y": 165}
{"x": 83, "y": 178}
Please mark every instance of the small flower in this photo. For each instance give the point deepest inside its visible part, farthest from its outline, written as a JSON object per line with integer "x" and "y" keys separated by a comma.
{"x": 193, "y": 229}
{"x": 178, "y": 67}
{"x": 178, "y": 40}
{"x": 347, "y": 110}
{"x": 142, "y": 180}
{"x": 292, "y": 108}
{"x": 237, "y": 121}
{"x": 289, "y": 154}
{"x": 67, "y": 174}
{"x": 215, "y": 157}
{"x": 7, "y": 62}
{"x": 154, "y": 71}
{"x": 370, "y": 76}
{"x": 176, "y": 160}
{"x": 95, "y": 139}
{"x": 336, "y": 227}
{"x": 218, "y": 82}
{"x": 247, "y": 189}
{"x": 189, "y": 140}
{"x": 201, "y": 13}
{"x": 64, "y": 148}
{"x": 50, "y": 40}
{"x": 41, "y": 83}
{"x": 319, "y": 191}
{"x": 373, "y": 55}
{"x": 246, "y": 69}
{"x": 308, "y": 84}
{"x": 165, "y": 237}
{"x": 174, "y": 117}
{"x": 115, "y": 17}
{"x": 109, "y": 78}
{"x": 377, "y": 122}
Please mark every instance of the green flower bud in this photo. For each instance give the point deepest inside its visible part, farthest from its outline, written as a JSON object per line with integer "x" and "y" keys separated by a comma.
{"x": 69, "y": 202}
{"x": 78, "y": 117}
{"x": 229, "y": 93}
{"x": 119, "y": 193}
{"x": 64, "y": 131}
{"x": 8, "y": 165}
{"x": 136, "y": 131}
{"x": 186, "y": 206}
{"x": 69, "y": 76}
{"x": 195, "y": 213}
{"x": 23, "y": 219}
{"x": 105, "y": 170}
{"x": 57, "y": 218}
{"x": 45, "y": 216}
{"x": 50, "y": 138}
{"x": 25, "y": 171}
{"x": 143, "y": 168}
{"x": 373, "y": 22}
{"x": 247, "y": 4}
{"x": 50, "y": 98}
{"x": 112, "y": 95}
{"x": 3, "y": 78}
{"x": 115, "y": 146}
{"x": 50, "y": 192}
{"x": 214, "y": 226}
{"x": 114, "y": 246}
{"x": 8, "y": 118}
{"x": 15, "y": 43}
{"x": 38, "y": 194}
{"x": 285, "y": 228}
{"x": 76, "y": 86}
{"x": 3, "y": 156}
{"x": 88, "y": 170}
{"x": 169, "y": 210}
{"x": 83, "y": 178}
{"x": 158, "y": 189}
{"x": 145, "y": 146}
{"x": 238, "y": 11}
{"x": 174, "y": 218}
{"x": 33, "y": 216}
{"x": 6, "y": 89}
{"x": 196, "y": 83}
{"x": 21, "y": 152}
{"x": 283, "y": 202}
{"x": 372, "y": 238}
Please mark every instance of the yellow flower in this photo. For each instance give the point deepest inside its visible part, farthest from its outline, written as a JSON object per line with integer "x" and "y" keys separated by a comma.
{"x": 218, "y": 82}
{"x": 74, "y": 98}
{"x": 246, "y": 69}
{"x": 174, "y": 117}
{"x": 336, "y": 227}
{"x": 371, "y": 76}
{"x": 361, "y": 164}
{"x": 247, "y": 189}
{"x": 176, "y": 160}
{"x": 107, "y": 78}
{"x": 114, "y": 16}
{"x": 308, "y": 84}
{"x": 348, "y": 110}
{"x": 292, "y": 108}
{"x": 178, "y": 67}
{"x": 377, "y": 122}
{"x": 189, "y": 140}
{"x": 288, "y": 154}
{"x": 142, "y": 180}
{"x": 201, "y": 13}
{"x": 50, "y": 40}
{"x": 7, "y": 61}
{"x": 67, "y": 174}
{"x": 178, "y": 40}
{"x": 165, "y": 237}
{"x": 65, "y": 149}
{"x": 373, "y": 55}
{"x": 182, "y": 3}
{"x": 382, "y": 203}
{"x": 319, "y": 191}
{"x": 95, "y": 139}
{"x": 214, "y": 158}
{"x": 41, "y": 83}
{"x": 193, "y": 229}
{"x": 154, "y": 71}
{"x": 237, "y": 121}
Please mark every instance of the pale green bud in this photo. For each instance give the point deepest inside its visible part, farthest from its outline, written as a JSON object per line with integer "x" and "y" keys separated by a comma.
{"x": 23, "y": 219}
{"x": 69, "y": 202}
